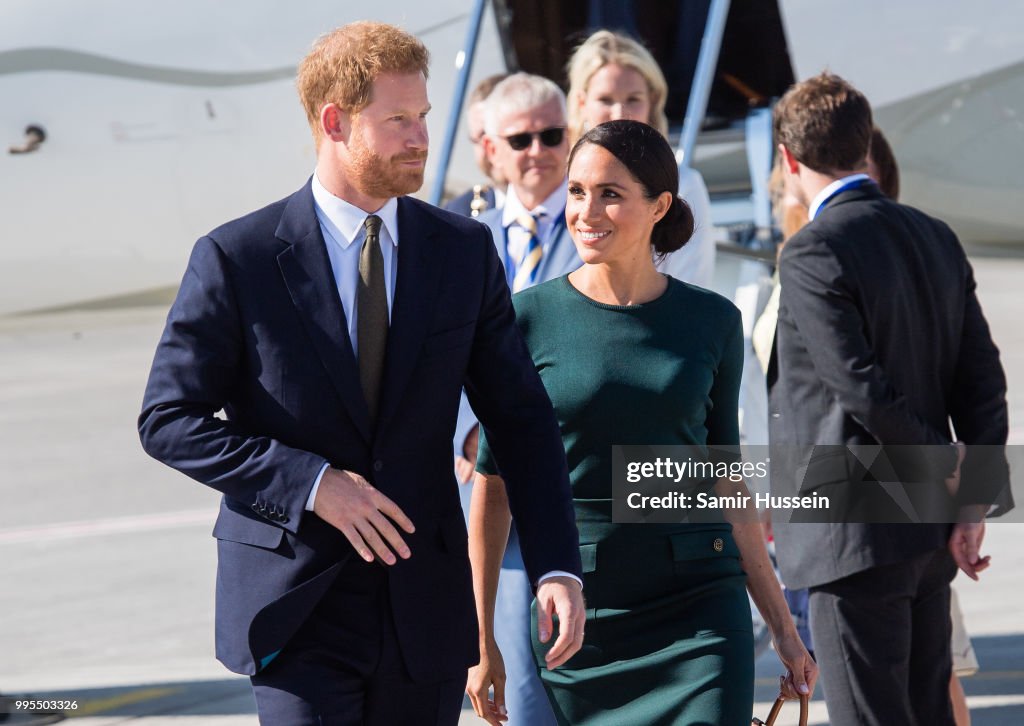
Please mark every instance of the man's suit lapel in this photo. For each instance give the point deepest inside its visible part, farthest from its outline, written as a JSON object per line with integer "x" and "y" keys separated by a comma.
{"x": 420, "y": 266}
{"x": 306, "y": 269}
{"x": 492, "y": 218}
{"x": 561, "y": 257}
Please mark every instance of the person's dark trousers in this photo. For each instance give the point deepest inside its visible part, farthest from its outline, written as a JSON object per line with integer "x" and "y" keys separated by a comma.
{"x": 348, "y": 671}
{"x": 881, "y": 638}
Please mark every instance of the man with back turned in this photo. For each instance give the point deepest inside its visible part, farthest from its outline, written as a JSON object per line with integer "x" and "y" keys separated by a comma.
{"x": 881, "y": 340}
{"x": 336, "y": 328}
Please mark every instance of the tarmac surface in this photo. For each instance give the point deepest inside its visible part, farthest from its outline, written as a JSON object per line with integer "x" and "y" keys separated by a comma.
{"x": 107, "y": 564}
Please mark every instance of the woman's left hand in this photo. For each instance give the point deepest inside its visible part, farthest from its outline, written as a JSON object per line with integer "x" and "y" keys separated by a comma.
{"x": 802, "y": 670}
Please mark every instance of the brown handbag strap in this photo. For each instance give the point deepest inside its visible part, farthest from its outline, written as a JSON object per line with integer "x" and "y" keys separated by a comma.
{"x": 774, "y": 713}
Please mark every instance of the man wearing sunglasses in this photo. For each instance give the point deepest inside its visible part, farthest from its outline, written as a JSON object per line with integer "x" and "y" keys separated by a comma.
{"x": 525, "y": 141}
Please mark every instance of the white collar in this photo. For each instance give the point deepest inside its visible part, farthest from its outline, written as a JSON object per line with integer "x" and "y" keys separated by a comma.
{"x": 514, "y": 208}
{"x": 345, "y": 220}
{"x": 828, "y": 192}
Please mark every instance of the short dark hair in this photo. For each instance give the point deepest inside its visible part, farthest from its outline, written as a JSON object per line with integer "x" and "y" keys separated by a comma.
{"x": 649, "y": 159}
{"x": 825, "y": 123}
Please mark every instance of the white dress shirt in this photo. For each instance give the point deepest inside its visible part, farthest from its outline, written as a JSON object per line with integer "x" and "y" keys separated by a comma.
{"x": 830, "y": 191}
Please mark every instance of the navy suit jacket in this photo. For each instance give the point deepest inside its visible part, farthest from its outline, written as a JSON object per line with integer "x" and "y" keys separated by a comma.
{"x": 259, "y": 331}
{"x": 559, "y": 259}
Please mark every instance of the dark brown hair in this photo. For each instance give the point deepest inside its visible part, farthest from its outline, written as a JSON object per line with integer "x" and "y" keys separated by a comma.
{"x": 825, "y": 123}
{"x": 649, "y": 159}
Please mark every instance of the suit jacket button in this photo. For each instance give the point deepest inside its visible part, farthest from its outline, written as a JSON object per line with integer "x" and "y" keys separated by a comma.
{"x": 378, "y": 465}
{"x": 283, "y": 519}
{"x": 718, "y": 544}
{"x": 255, "y": 506}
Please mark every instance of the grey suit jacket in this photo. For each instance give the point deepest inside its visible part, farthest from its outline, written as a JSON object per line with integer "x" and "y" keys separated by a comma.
{"x": 880, "y": 340}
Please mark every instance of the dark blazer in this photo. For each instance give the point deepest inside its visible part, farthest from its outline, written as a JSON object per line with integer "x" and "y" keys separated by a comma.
{"x": 462, "y": 204}
{"x": 258, "y": 330}
{"x": 880, "y": 340}
{"x": 560, "y": 259}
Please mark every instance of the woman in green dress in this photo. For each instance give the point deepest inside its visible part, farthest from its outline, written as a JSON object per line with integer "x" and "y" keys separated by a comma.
{"x": 631, "y": 356}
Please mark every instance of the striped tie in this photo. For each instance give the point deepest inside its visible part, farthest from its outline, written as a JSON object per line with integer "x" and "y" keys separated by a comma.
{"x": 526, "y": 270}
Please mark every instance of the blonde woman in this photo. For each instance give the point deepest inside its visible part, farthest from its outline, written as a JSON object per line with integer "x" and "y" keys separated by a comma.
{"x": 611, "y": 77}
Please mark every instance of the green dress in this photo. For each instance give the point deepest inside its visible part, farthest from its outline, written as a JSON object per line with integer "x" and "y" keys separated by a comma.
{"x": 668, "y": 633}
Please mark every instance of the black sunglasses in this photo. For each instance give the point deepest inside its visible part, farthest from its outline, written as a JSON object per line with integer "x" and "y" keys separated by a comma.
{"x": 549, "y": 137}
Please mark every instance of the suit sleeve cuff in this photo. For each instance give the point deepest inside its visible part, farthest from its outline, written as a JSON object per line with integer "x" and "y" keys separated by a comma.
{"x": 558, "y": 573}
{"x": 316, "y": 487}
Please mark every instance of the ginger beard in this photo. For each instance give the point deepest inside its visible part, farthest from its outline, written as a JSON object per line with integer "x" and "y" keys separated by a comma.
{"x": 379, "y": 177}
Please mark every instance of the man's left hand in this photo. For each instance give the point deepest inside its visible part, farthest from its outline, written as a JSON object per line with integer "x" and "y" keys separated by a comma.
{"x": 562, "y": 596}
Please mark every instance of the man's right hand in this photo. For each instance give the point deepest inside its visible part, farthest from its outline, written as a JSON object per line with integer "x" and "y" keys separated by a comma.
{"x": 351, "y": 505}
{"x": 965, "y": 545}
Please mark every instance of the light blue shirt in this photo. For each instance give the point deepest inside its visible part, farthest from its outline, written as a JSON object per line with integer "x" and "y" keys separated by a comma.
{"x": 342, "y": 225}
{"x": 547, "y": 213}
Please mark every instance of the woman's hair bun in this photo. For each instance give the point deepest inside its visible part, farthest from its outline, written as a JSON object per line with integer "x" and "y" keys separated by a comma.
{"x": 674, "y": 229}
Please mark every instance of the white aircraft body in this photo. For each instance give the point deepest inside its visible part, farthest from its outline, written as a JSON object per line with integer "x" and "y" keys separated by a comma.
{"x": 946, "y": 82}
{"x": 161, "y": 121}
